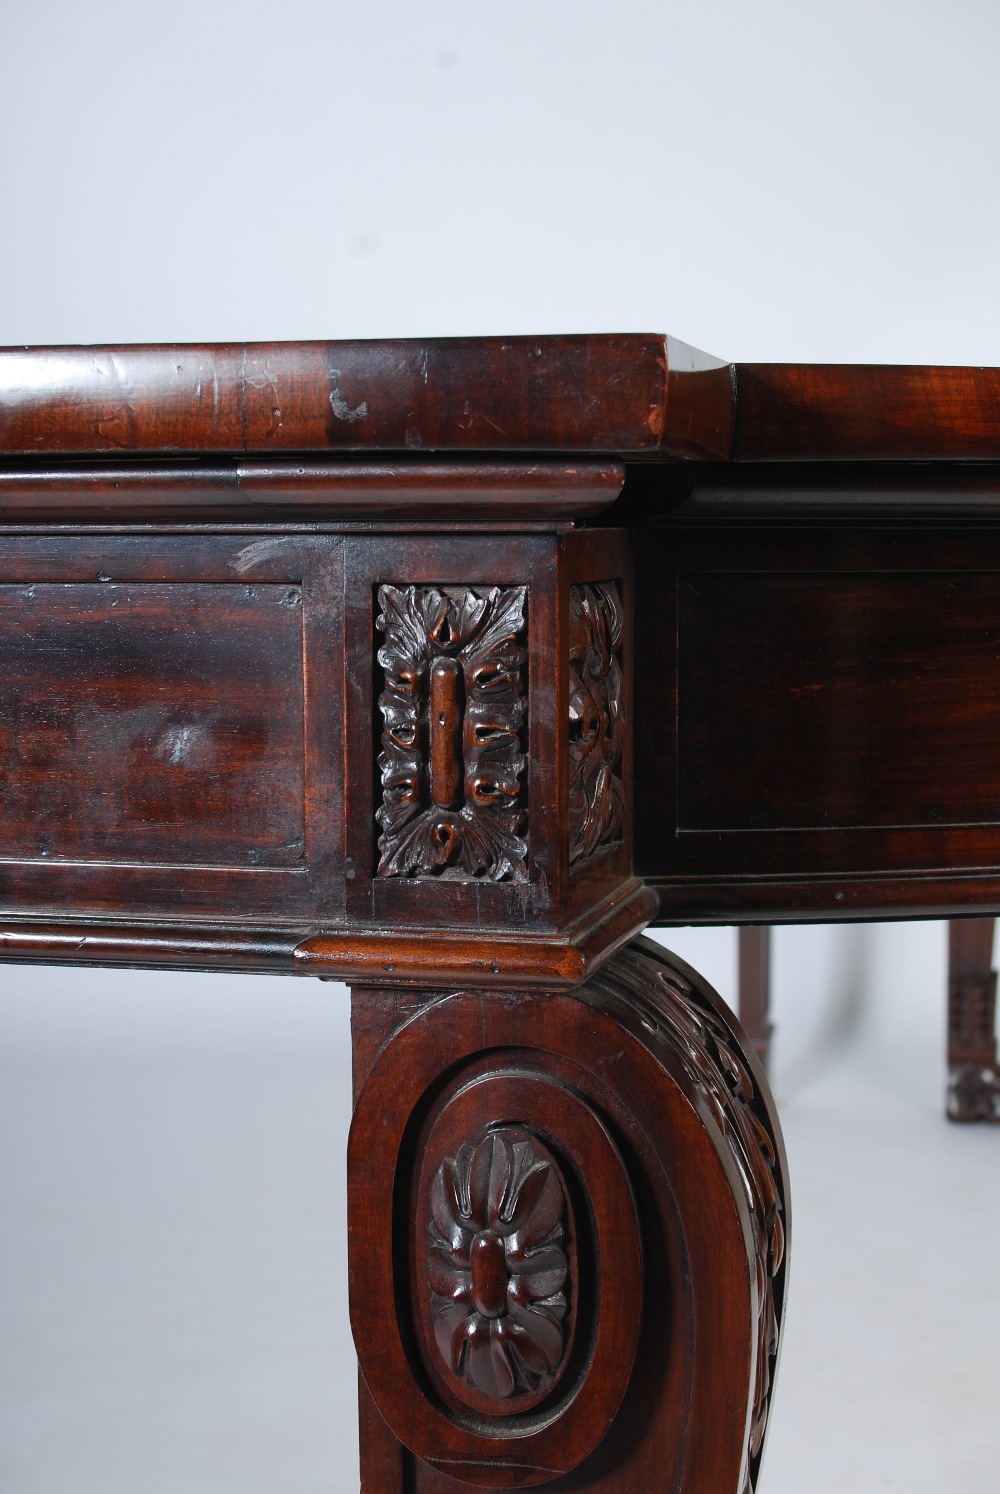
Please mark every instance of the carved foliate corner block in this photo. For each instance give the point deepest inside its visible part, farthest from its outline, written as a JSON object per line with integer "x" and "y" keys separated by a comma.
{"x": 453, "y": 745}
{"x": 497, "y": 1269}
{"x": 457, "y": 844}
{"x": 597, "y": 723}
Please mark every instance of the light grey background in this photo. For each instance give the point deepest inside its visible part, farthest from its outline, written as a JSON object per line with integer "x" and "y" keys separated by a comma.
{"x": 786, "y": 181}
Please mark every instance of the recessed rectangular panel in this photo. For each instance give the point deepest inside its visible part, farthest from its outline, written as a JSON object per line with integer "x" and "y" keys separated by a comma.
{"x": 838, "y": 700}
{"x": 152, "y": 722}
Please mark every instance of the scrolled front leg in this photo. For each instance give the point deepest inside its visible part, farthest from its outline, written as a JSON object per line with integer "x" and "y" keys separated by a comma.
{"x": 568, "y": 1229}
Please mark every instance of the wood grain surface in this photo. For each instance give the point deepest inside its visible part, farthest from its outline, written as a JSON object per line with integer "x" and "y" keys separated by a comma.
{"x": 369, "y": 489}
{"x": 638, "y": 394}
{"x": 851, "y": 412}
{"x": 314, "y": 661}
{"x": 819, "y": 732}
{"x": 587, "y": 393}
{"x": 168, "y": 714}
{"x": 647, "y": 1120}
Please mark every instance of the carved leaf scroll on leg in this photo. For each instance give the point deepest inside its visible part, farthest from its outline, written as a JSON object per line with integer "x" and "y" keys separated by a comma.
{"x": 711, "y": 1054}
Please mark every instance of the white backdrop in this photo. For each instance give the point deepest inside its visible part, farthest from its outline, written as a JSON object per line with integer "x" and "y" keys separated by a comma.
{"x": 765, "y": 180}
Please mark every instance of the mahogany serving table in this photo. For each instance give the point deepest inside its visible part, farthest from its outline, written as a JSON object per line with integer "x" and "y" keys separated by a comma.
{"x": 443, "y": 668}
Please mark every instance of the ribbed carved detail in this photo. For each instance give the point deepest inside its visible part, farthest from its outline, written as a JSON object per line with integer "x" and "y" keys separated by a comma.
{"x": 454, "y": 711}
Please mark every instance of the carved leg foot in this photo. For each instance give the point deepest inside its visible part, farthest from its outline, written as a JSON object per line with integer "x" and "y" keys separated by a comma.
{"x": 973, "y": 1076}
{"x": 568, "y": 1225}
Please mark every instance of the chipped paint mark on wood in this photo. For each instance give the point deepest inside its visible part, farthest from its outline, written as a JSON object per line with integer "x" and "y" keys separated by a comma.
{"x": 339, "y": 405}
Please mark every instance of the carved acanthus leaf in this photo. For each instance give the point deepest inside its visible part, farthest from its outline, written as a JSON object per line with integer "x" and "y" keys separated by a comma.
{"x": 712, "y": 1059}
{"x": 470, "y": 820}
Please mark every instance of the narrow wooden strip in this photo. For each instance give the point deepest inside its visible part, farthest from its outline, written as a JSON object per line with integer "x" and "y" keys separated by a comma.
{"x": 754, "y": 986}
{"x": 472, "y": 957}
{"x": 811, "y": 899}
{"x": 794, "y": 490}
{"x": 146, "y": 945}
{"x": 842, "y": 412}
{"x": 406, "y": 489}
{"x": 387, "y": 957}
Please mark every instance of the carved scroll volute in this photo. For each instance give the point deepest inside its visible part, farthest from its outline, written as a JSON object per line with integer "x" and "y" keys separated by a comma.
{"x": 454, "y": 711}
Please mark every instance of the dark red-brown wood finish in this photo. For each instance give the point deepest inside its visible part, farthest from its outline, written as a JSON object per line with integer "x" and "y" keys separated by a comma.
{"x": 633, "y": 1349}
{"x": 628, "y": 393}
{"x": 440, "y": 667}
{"x": 753, "y": 984}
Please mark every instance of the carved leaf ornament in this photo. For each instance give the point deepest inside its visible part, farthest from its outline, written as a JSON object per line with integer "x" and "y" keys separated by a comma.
{"x": 712, "y": 1060}
{"x": 596, "y": 719}
{"x": 497, "y": 1268}
{"x": 454, "y": 711}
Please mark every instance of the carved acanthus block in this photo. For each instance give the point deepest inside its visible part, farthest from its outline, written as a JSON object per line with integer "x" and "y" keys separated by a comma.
{"x": 596, "y": 719}
{"x": 454, "y": 708}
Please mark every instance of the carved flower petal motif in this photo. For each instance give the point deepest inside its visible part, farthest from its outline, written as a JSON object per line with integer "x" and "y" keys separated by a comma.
{"x": 496, "y": 1266}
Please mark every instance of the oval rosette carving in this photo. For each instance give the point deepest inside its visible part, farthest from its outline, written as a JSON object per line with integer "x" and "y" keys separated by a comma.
{"x": 568, "y": 1222}
{"x": 499, "y": 1342}
{"x": 497, "y": 1269}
